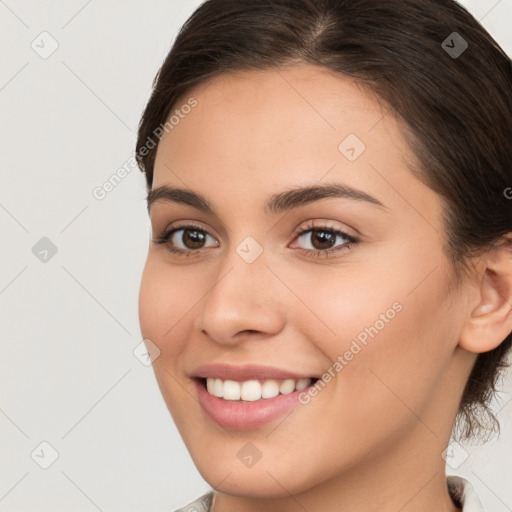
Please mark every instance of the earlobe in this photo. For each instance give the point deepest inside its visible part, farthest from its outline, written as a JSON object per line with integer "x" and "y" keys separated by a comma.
{"x": 489, "y": 321}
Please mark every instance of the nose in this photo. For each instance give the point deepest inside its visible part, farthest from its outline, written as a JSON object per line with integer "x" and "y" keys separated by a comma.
{"x": 242, "y": 302}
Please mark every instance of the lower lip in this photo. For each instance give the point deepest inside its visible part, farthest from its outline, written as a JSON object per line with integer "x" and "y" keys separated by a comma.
{"x": 242, "y": 415}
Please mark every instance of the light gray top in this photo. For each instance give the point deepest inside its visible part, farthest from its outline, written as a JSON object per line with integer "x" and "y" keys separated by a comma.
{"x": 202, "y": 504}
{"x": 460, "y": 489}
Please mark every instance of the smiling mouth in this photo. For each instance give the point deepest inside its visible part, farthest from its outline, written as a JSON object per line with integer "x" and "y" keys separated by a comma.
{"x": 253, "y": 390}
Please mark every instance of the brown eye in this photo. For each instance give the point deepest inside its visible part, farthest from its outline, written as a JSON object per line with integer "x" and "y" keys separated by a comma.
{"x": 186, "y": 240}
{"x": 320, "y": 239}
{"x": 191, "y": 239}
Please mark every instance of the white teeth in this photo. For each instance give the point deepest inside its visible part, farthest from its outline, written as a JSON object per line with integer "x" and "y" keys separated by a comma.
{"x": 302, "y": 383}
{"x": 287, "y": 386}
{"x": 270, "y": 389}
{"x": 210, "y": 385}
{"x": 218, "y": 388}
{"x": 231, "y": 390}
{"x": 215, "y": 387}
{"x": 252, "y": 390}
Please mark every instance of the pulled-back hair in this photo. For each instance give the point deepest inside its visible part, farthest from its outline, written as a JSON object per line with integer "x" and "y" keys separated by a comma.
{"x": 455, "y": 104}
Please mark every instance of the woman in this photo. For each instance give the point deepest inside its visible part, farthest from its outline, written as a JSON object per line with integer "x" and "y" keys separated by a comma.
{"x": 329, "y": 280}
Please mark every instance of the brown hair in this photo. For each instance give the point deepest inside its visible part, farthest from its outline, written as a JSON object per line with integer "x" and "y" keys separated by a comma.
{"x": 457, "y": 108}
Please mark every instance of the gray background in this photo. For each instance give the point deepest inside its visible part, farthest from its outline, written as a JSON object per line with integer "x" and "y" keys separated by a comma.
{"x": 69, "y": 324}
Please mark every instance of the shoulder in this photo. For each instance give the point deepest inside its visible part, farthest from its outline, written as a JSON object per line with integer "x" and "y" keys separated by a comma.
{"x": 463, "y": 494}
{"x": 202, "y": 504}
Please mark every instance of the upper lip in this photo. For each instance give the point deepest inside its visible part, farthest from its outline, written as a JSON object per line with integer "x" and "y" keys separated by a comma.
{"x": 245, "y": 372}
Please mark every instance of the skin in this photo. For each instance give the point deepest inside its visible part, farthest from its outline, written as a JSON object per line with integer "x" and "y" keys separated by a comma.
{"x": 372, "y": 439}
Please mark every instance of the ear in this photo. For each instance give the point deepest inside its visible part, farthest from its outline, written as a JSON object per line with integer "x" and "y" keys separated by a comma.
{"x": 489, "y": 318}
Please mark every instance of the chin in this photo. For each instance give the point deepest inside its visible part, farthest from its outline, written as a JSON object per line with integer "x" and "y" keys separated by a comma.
{"x": 275, "y": 475}
{"x": 252, "y": 482}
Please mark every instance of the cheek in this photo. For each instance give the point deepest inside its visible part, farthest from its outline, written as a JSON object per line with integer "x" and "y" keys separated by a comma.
{"x": 388, "y": 305}
{"x": 386, "y": 330}
{"x": 152, "y": 300}
{"x": 165, "y": 307}
{"x": 166, "y": 300}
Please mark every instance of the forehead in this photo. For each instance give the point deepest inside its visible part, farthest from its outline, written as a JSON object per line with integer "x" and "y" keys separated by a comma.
{"x": 257, "y": 131}
{"x": 298, "y": 103}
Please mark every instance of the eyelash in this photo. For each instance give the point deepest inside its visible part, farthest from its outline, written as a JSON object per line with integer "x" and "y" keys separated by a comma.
{"x": 163, "y": 239}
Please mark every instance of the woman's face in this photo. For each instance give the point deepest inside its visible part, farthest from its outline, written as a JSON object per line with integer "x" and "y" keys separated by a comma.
{"x": 376, "y": 320}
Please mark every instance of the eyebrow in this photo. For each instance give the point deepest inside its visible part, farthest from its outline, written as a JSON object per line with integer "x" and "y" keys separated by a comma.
{"x": 277, "y": 203}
